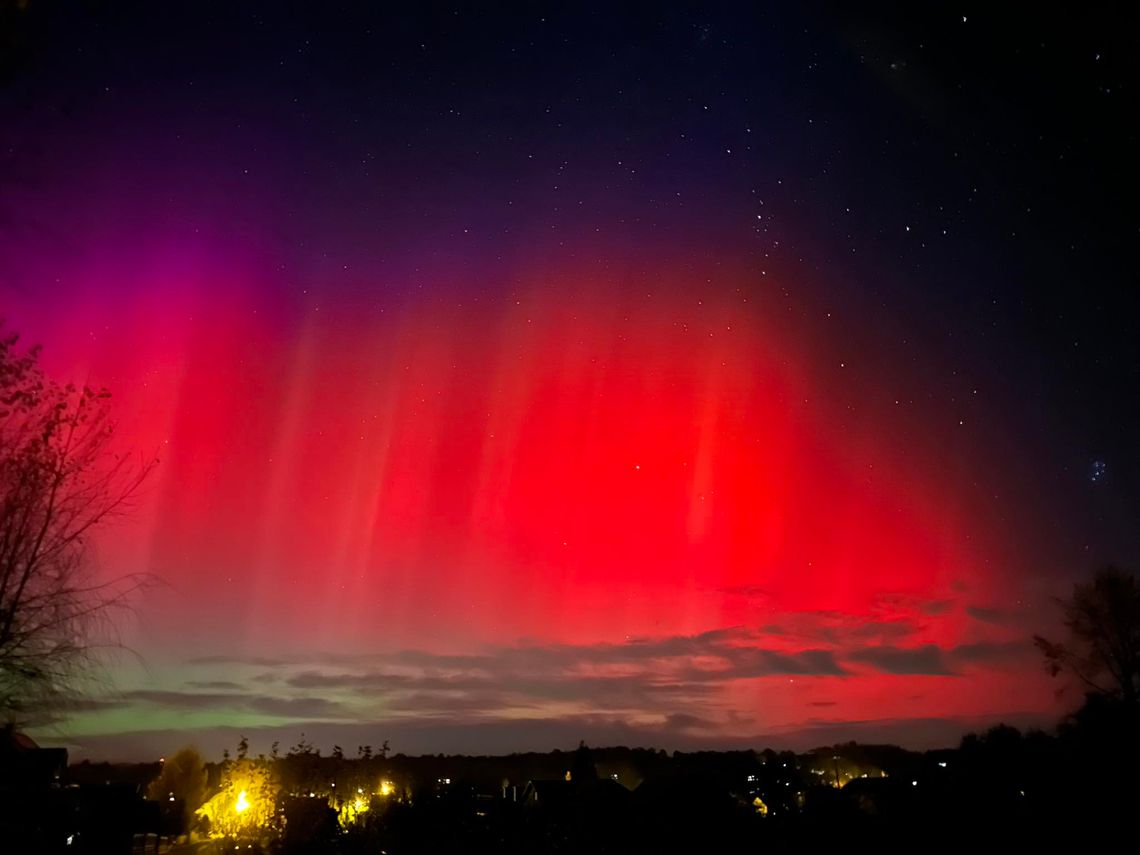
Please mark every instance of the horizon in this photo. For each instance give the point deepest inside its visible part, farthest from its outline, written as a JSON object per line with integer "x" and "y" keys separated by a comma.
{"x": 942, "y": 735}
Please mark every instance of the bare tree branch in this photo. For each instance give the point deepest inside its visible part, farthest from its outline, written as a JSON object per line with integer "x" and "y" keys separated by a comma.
{"x": 1103, "y": 649}
{"x": 59, "y": 481}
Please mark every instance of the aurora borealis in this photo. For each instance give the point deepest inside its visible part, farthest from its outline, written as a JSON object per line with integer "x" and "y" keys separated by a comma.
{"x": 520, "y": 378}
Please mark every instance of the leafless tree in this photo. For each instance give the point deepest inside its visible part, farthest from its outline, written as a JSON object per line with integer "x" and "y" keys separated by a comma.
{"x": 1103, "y": 648}
{"x": 60, "y": 479}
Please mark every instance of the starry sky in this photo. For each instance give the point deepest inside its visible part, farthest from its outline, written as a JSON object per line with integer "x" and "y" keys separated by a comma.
{"x": 650, "y": 374}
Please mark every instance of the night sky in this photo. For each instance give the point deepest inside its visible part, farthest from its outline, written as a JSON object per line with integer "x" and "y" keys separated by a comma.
{"x": 645, "y": 374}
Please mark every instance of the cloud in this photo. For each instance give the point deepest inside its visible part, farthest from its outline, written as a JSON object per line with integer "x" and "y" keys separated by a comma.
{"x": 287, "y": 707}
{"x": 887, "y": 626}
{"x": 679, "y": 675}
{"x": 184, "y": 700}
{"x": 430, "y": 694}
{"x": 439, "y": 704}
{"x": 643, "y": 671}
{"x": 684, "y": 721}
{"x": 301, "y": 708}
{"x": 760, "y": 662}
{"x": 225, "y": 685}
{"x": 929, "y": 659}
{"x": 937, "y": 607}
{"x": 95, "y": 704}
{"x": 994, "y": 615}
{"x": 994, "y": 652}
{"x": 678, "y": 685}
{"x": 802, "y": 644}
{"x": 264, "y": 661}
{"x": 366, "y": 681}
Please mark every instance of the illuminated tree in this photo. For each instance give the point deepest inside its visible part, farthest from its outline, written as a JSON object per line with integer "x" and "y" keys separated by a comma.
{"x": 1103, "y": 648}
{"x": 245, "y": 805}
{"x": 59, "y": 481}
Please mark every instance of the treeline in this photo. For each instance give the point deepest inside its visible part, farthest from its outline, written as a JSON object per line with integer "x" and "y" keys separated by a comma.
{"x": 1032, "y": 786}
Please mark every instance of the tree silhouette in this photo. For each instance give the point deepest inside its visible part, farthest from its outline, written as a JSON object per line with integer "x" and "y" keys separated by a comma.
{"x": 59, "y": 481}
{"x": 183, "y": 777}
{"x": 1103, "y": 648}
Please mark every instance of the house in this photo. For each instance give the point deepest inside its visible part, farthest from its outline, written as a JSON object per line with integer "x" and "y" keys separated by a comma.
{"x": 24, "y": 765}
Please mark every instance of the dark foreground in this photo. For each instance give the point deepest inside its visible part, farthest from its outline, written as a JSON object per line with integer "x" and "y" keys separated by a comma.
{"x": 999, "y": 787}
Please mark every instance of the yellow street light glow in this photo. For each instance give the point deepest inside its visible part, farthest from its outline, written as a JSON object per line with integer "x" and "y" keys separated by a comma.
{"x": 387, "y": 788}
{"x": 242, "y": 804}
